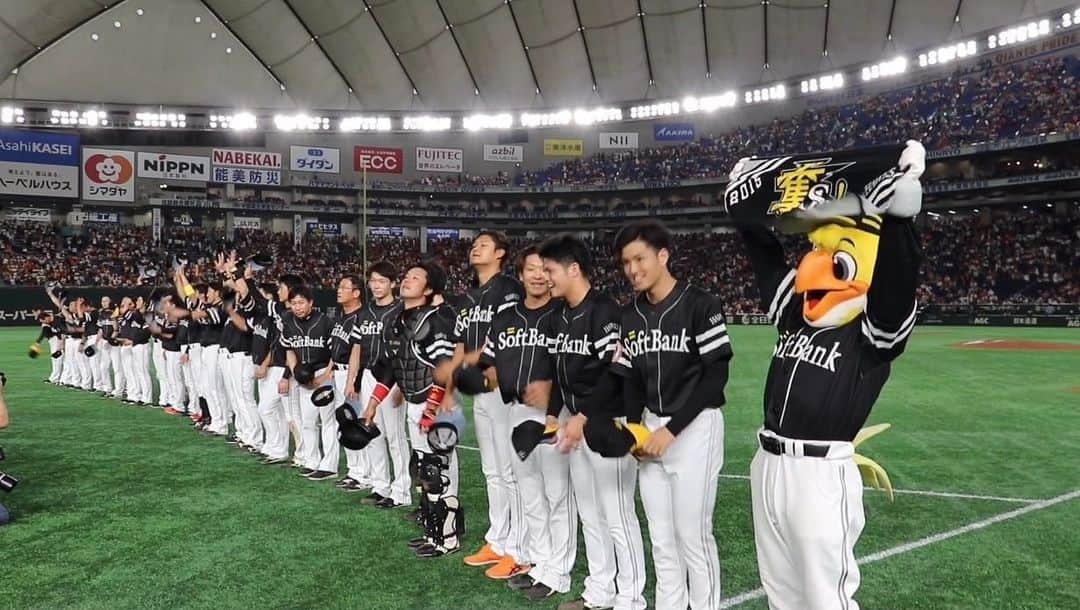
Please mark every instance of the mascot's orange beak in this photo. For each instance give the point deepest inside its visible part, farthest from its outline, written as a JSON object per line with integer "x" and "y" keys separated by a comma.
{"x": 823, "y": 290}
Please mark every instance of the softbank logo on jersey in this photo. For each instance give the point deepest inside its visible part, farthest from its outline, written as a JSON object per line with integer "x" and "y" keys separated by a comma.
{"x": 259, "y": 330}
{"x": 798, "y": 347}
{"x": 521, "y": 337}
{"x": 474, "y": 315}
{"x": 339, "y": 332}
{"x": 370, "y": 327}
{"x": 299, "y": 342}
{"x": 565, "y": 345}
{"x": 655, "y": 341}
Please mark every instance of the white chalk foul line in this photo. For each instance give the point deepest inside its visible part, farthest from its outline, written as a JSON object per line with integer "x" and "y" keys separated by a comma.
{"x": 920, "y": 492}
{"x": 908, "y": 492}
{"x": 758, "y": 593}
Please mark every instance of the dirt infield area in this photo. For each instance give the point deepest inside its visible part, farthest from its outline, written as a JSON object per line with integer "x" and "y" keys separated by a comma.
{"x": 1012, "y": 344}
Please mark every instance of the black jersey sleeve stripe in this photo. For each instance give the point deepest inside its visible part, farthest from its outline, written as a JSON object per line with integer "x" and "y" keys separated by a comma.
{"x": 782, "y": 296}
{"x": 887, "y": 340}
{"x": 714, "y": 344}
{"x": 719, "y": 329}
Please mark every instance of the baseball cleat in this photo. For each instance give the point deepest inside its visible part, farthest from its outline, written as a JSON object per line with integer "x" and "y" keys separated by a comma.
{"x": 485, "y": 556}
{"x": 506, "y": 568}
{"x": 520, "y": 582}
{"x": 321, "y": 475}
{"x": 372, "y": 499}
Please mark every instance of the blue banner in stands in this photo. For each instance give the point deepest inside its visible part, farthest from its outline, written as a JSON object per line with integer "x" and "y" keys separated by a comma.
{"x": 386, "y": 231}
{"x": 324, "y": 228}
{"x": 39, "y": 164}
{"x": 443, "y": 233}
{"x": 673, "y": 132}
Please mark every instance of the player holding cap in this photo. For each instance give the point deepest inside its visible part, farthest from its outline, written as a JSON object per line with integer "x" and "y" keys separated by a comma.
{"x": 516, "y": 354}
{"x": 350, "y": 291}
{"x": 387, "y": 456}
{"x": 495, "y": 293}
{"x": 674, "y": 363}
{"x": 586, "y": 343}
{"x": 305, "y": 334}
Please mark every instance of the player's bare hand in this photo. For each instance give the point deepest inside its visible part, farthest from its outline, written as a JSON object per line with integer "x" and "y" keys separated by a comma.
{"x": 573, "y": 432}
{"x": 537, "y": 394}
{"x": 396, "y": 397}
{"x": 658, "y": 443}
{"x": 447, "y": 404}
{"x": 283, "y": 387}
{"x": 351, "y": 393}
{"x": 260, "y": 373}
{"x": 551, "y": 422}
{"x": 492, "y": 377}
{"x": 369, "y": 413}
{"x": 184, "y": 359}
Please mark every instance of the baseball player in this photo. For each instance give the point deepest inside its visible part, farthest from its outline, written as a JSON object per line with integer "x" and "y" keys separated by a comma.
{"x": 496, "y": 292}
{"x": 240, "y": 377}
{"x": 193, "y": 356}
{"x": 212, "y": 317}
{"x": 51, "y": 333}
{"x": 516, "y": 356}
{"x": 674, "y": 363}
{"x": 134, "y": 336}
{"x": 585, "y": 345}
{"x": 275, "y": 304}
{"x": 106, "y": 360}
{"x": 349, "y": 294}
{"x": 418, "y": 356}
{"x": 305, "y": 334}
{"x": 77, "y": 329}
{"x": 91, "y": 353}
{"x": 388, "y": 454}
{"x": 173, "y": 347}
{"x": 268, "y": 356}
{"x": 157, "y": 354}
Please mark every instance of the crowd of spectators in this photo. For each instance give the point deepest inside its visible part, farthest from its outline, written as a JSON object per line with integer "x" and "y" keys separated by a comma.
{"x": 1015, "y": 257}
{"x": 964, "y": 108}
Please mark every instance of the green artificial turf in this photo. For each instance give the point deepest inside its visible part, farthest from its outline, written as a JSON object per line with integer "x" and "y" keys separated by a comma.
{"x": 125, "y": 507}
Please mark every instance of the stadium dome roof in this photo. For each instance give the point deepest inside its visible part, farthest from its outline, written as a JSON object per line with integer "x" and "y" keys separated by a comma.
{"x": 468, "y": 55}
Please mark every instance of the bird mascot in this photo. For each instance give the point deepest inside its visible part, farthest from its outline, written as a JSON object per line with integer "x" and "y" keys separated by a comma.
{"x": 843, "y": 314}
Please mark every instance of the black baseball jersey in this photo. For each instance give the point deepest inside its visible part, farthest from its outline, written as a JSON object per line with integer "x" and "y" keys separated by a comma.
{"x": 584, "y": 342}
{"x": 667, "y": 345}
{"x": 134, "y": 328}
{"x": 48, "y": 331}
{"x": 74, "y": 325}
{"x": 822, "y": 382}
{"x": 195, "y": 327}
{"x": 265, "y": 338}
{"x": 169, "y": 334}
{"x": 341, "y": 335}
{"x": 212, "y": 324}
{"x": 90, "y": 323}
{"x": 479, "y": 306}
{"x": 517, "y": 346}
{"x": 308, "y": 338}
{"x": 107, "y": 327}
{"x": 370, "y": 327}
{"x": 419, "y": 340}
{"x": 183, "y": 333}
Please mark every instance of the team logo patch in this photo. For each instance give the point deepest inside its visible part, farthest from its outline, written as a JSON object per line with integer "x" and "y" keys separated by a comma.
{"x": 808, "y": 184}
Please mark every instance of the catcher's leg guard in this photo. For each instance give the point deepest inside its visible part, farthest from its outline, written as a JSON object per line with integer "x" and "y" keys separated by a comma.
{"x": 445, "y": 528}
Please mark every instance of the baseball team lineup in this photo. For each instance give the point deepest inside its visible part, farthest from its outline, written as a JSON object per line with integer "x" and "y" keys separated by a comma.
{"x": 581, "y": 406}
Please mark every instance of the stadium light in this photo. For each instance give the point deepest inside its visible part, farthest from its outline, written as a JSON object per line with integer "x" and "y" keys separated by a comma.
{"x": 426, "y": 123}
{"x": 11, "y": 114}
{"x": 546, "y": 119}
{"x": 948, "y": 53}
{"x": 648, "y": 111}
{"x": 240, "y": 121}
{"x": 475, "y": 122}
{"x": 597, "y": 115}
{"x": 365, "y": 123}
{"x": 766, "y": 94}
{"x": 1070, "y": 19}
{"x": 897, "y": 65}
{"x": 160, "y": 119}
{"x": 827, "y": 82}
{"x": 300, "y": 122}
{"x": 708, "y": 103}
{"x": 1018, "y": 34}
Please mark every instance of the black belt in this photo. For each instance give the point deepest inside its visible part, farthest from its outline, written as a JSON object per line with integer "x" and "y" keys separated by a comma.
{"x": 776, "y": 446}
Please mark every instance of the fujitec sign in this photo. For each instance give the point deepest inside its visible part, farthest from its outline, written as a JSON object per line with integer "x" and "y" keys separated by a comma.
{"x": 439, "y": 159}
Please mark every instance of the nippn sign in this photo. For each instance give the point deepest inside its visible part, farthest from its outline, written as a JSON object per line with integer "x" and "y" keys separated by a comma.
{"x": 173, "y": 167}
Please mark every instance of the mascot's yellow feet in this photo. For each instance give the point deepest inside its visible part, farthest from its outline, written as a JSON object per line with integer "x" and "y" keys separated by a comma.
{"x": 872, "y": 473}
